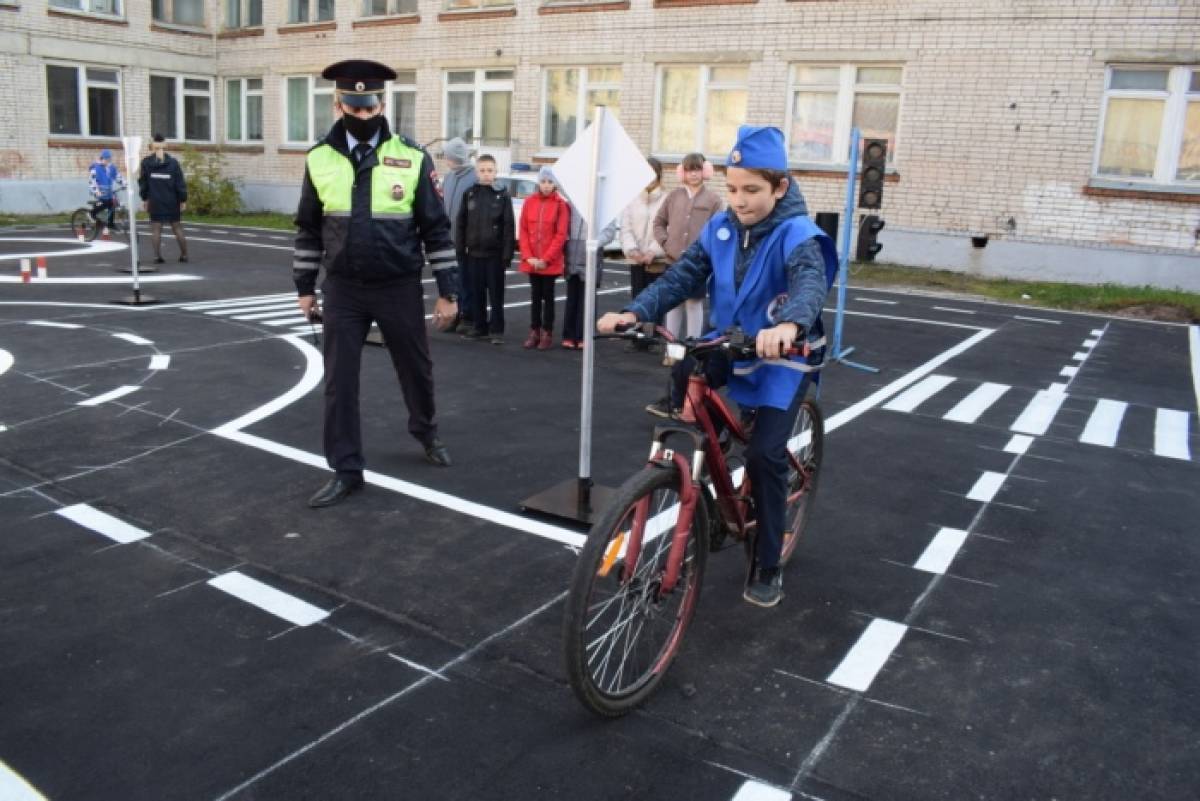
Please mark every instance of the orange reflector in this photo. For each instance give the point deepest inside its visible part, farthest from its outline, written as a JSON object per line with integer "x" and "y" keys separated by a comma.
{"x": 610, "y": 555}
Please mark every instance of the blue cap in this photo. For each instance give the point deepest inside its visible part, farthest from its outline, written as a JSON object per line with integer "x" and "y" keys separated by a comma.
{"x": 106, "y": 154}
{"x": 758, "y": 146}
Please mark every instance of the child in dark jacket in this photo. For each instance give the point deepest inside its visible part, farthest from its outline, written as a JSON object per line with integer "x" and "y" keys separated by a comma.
{"x": 545, "y": 219}
{"x": 575, "y": 270}
{"x": 484, "y": 234}
{"x": 768, "y": 269}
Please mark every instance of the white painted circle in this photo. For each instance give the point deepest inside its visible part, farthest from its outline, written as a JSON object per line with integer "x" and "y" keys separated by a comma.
{"x": 723, "y": 234}
{"x": 95, "y": 246}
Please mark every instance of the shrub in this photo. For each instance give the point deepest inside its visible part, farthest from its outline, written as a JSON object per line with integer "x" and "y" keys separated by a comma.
{"x": 209, "y": 191}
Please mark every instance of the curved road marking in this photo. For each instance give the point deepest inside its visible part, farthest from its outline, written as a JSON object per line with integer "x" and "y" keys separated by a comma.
{"x": 79, "y": 249}
{"x": 103, "y": 279}
{"x": 6, "y": 361}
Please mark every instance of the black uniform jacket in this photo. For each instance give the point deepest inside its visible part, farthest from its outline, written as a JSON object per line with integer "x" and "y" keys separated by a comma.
{"x": 485, "y": 227}
{"x": 373, "y": 251}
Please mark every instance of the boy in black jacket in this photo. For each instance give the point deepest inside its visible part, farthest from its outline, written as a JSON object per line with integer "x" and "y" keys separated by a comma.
{"x": 484, "y": 235}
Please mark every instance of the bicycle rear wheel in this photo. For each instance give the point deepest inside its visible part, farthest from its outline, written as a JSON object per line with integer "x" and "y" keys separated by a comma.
{"x": 83, "y": 227}
{"x": 806, "y": 443}
{"x": 620, "y": 633}
{"x": 121, "y": 221}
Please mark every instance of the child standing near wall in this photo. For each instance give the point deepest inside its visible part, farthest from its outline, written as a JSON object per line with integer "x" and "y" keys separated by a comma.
{"x": 545, "y": 220}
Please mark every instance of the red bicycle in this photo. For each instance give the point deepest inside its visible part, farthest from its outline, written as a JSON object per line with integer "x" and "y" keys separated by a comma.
{"x": 637, "y": 581}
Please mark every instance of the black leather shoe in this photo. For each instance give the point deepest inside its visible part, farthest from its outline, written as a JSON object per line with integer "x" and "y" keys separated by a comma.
{"x": 335, "y": 491}
{"x": 436, "y": 453}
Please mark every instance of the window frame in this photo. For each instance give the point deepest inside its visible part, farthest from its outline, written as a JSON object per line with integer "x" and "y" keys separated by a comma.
{"x": 476, "y": 6}
{"x": 1170, "y": 139}
{"x": 399, "y": 87}
{"x": 246, "y": 93}
{"x": 51, "y": 5}
{"x": 585, "y": 85}
{"x": 181, "y": 95}
{"x": 311, "y": 93}
{"x": 313, "y": 10}
{"x": 480, "y": 85}
{"x": 192, "y": 26}
{"x": 81, "y": 103}
{"x": 704, "y": 86}
{"x": 243, "y": 7}
{"x": 393, "y": 9}
{"x": 847, "y": 88}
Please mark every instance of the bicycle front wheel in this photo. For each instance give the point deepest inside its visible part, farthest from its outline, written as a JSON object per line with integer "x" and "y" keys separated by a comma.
{"x": 806, "y": 444}
{"x": 621, "y": 631}
{"x": 83, "y": 227}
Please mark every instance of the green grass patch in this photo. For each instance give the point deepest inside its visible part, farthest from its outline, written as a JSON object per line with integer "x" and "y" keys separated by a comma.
{"x": 258, "y": 219}
{"x": 1143, "y": 302}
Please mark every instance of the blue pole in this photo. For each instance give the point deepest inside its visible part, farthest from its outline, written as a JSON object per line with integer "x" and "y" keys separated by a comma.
{"x": 844, "y": 248}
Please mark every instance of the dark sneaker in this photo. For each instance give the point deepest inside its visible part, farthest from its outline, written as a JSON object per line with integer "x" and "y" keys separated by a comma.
{"x": 496, "y": 339}
{"x": 766, "y": 589}
{"x": 477, "y": 336}
{"x": 662, "y": 408}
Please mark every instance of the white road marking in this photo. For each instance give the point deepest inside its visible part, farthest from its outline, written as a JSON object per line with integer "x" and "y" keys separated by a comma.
{"x": 1069, "y": 371}
{"x": 1018, "y": 444}
{"x": 6, "y": 361}
{"x": 269, "y": 599}
{"x": 13, "y": 786}
{"x": 1090, "y": 343}
{"x": 1037, "y": 319}
{"x": 294, "y": 319}
{"x": 231, "y": 302}
{"x": 876, "y": 300}
{"x": 1079, "y": 356}
{"x": 986, "y": 486}
{"x": 119, "y": 392}
{"x": 918, "y": 394}
{"x": 217, "y": 231}
{"x": 78, "y": 249}
{"x": 1194, "y": 346}
{"x": 134, "y": 338}
{"x": 159, "y": 362}
{"x": 1171, "y": 434}
{"x": 971, "y": 407}
{"x": 753, "y": 790}
{"x": 240, "y": 234}
{"x": 236, "y": 244}
{"x": 290, "y": 309}
{"x": 102, "y": 523}
{"x": 1040, "y": 412}
{"x": 279, "y": 306}
{"x": 921, "y": 320}
{"x": 1104, "y": 424}
{"x": 941, "y": 551}
{"x": 1057, "y": 388}
{"x": 52, "y": 324}
{"x": 416, "y": 666}
{"x": 1097, "y": 332}
{"x": 952, "y": 309}
{"x": 859, "y": 667}
{"x": 161, "y": 278}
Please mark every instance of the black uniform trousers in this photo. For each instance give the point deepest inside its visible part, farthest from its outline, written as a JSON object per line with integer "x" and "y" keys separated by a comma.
{"x": 349, "y": 309}
{"x": 487, "y": 285}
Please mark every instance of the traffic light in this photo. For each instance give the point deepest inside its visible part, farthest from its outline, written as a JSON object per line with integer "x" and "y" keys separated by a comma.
{"x": 874, "y": 161}
{"x": 868, "y": 229}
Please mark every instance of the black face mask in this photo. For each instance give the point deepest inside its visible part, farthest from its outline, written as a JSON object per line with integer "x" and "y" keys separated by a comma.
{"x": 362, "y": 130}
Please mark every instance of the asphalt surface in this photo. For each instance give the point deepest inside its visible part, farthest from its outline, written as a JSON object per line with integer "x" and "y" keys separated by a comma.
{"x": 998, "y": 596}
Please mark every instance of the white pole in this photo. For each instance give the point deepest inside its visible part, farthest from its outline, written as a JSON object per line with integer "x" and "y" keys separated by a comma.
{"x": 589, "y": 314}
{"x": 133, "y": 148}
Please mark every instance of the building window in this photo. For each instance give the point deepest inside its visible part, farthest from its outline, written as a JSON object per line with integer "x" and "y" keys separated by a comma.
{"x": 700, "y": 107}
{"x": 404, "y": 103}
{"x": 243, "y": 110}
{"x": 310, "y": 10}
{"x": 179, "y": 12}
{"x": 83, "y": 101}
{"x": 181, "y": 107}
{"x": 1151, "y": 125}
{"x": 477, "y": 5}
{"x": 309, "y": 109}
{"x": 243, "y": 14}
{"x": 384, "y": 8}
{"x": 827, "y": 100}
{"x": 478, "y": 106}
{"x": 571, "y": 97}
{"x": 110, "y": 7}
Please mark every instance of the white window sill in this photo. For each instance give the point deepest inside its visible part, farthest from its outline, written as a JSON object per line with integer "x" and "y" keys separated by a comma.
{"x": 1144, "y": 186}
{"x": 74, "y": 12}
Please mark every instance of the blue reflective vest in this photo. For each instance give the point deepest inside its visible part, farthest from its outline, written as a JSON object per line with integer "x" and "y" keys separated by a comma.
{"x": 763, "y": 382}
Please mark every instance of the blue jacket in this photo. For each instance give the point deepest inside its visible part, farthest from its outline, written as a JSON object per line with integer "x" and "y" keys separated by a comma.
{"x": 778, "y": 270}
{"x": 104, "y": 180}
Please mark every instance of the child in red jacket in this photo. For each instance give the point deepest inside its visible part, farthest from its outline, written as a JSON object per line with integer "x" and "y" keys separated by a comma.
{"x": 545, "y": 220}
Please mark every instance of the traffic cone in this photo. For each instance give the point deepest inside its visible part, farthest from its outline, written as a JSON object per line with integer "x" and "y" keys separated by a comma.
{"x": 26, "y": 276}
{"x": 41, "y": 266}
{"x": 105, "y": 235}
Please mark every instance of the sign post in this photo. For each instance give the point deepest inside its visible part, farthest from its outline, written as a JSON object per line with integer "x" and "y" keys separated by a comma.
{"x": 839, "y": 354}
{"x": 133, "y": 147}
{"x": 601, "y": 173}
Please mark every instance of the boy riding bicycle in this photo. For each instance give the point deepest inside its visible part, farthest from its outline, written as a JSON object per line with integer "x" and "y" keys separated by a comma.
{"x": 768, "y": 269}
{"x": 104, "y": 181}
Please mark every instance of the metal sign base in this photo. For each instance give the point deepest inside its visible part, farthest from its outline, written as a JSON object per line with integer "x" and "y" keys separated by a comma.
{"x": 137, "y": 299}
{"x": 576, "y": 499}
{"x": 142, "y": 268}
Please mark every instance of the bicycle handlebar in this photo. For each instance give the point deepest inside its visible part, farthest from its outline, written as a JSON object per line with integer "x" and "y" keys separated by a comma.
{"x": 737, "y": 342}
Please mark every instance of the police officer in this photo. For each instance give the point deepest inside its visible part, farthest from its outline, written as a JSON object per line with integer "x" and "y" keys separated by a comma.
{"x": 370, "y": 213}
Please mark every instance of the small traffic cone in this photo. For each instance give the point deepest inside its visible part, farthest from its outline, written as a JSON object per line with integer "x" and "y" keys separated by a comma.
{"x": 105, "y": 235}
{"x": 41, "y": 266}
{"x": 26, "y": 275}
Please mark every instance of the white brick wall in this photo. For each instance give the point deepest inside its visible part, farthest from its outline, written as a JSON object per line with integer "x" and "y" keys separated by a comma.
{"x": 998, "y": 120}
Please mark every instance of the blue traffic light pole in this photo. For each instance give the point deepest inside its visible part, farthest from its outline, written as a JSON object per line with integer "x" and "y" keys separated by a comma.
{"x": 839, "y": 353}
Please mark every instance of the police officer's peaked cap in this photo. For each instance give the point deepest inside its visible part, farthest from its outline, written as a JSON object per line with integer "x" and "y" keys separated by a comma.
{"x": 359, "y": 82}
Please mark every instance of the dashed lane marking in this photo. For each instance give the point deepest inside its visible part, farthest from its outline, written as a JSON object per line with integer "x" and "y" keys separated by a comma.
{"x": 757, "y": 791}
{"x": 1018, "y": 444}
{"x": 941, "y": 551}
{"x": 52, "y": 324}
{"x": 971, "y": 407}
{"x": 864, "y": 661}
{"x": 986, "y": 486}
{"x": 918, "y": 393}
{"x": 119, "y": 392}
{"x": 952, "y": 309}
{"x": 102, "y": 523}
{"x": 14, "y": 788}
{"x": 877, "y": 300}
{"x": 1104, "y": 423}
{"x": 159, "y": 362}
{"x": 1037, "y": 319}
{"x": 269, "y": 599}
{"x": 1040, "y": 412}
{"x": 134, "y": 338}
